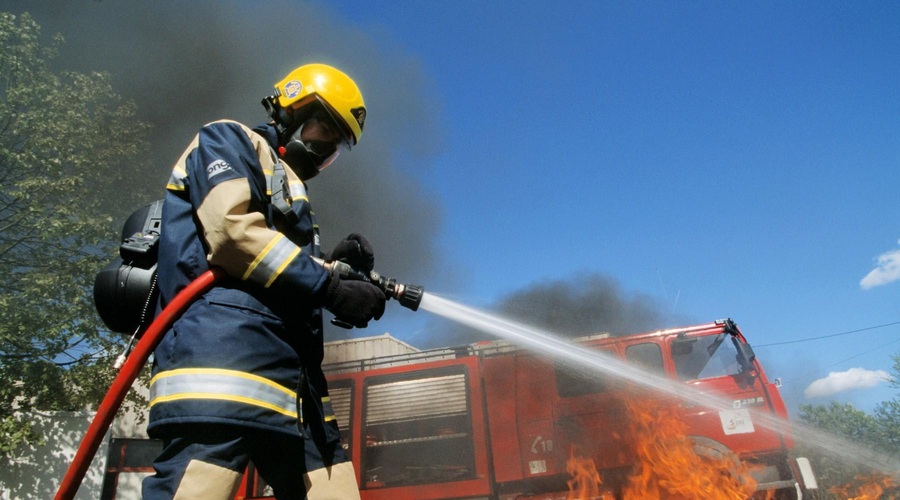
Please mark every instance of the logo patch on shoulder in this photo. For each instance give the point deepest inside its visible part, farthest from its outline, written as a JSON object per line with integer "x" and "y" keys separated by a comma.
{"x": 217, "y": 167}
{"x": 292, "y": 89}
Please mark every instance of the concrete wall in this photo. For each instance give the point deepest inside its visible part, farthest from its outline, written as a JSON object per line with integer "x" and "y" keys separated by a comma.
{"x": 365, "y": 348}
{"x": 36, "y": 471}
{"x": 132, "y": 422}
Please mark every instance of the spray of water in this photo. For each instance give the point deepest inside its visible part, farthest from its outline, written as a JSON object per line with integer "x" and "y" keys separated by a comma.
{"x": 575, "y": 356}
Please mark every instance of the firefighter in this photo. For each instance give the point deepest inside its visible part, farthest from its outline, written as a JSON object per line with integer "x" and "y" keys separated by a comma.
{"x": 238, "y": 377}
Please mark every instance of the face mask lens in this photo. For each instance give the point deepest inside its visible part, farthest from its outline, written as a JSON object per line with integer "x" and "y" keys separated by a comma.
{"x": 329, "y": 160}
{"x": 321, "y": 148}
{"x": 318, "y": 154}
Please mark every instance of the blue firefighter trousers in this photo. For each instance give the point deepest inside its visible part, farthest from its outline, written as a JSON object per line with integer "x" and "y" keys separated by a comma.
{"x": 208, "y": 461}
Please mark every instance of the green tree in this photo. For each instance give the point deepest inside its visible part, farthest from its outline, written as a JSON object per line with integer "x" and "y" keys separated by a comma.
{"x": 879, "y": 431}
{"x": 887, "y": 414}
{"x": 843, "y": 420}
{"x": 67, "y": 143}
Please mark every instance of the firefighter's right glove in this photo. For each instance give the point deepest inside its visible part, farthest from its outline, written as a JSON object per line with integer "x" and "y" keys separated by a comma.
{"x": 354, "y": 302}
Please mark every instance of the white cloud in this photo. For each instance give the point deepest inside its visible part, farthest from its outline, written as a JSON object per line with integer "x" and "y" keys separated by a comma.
{"x": 854, "y": 378}
{"x": 888, "y": 270}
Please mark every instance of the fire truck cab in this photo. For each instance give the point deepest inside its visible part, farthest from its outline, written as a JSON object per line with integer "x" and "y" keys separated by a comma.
{"x": 493, "y": 421}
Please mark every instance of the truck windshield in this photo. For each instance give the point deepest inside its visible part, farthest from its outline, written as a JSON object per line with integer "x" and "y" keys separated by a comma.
{"x": 705, "y": 357}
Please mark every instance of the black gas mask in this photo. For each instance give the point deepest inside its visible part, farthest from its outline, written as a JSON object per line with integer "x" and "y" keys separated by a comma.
{"x": 309, "y": 157}
{"x": 310, "y": 138}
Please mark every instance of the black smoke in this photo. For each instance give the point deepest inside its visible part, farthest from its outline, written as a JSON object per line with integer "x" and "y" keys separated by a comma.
{"x": 582, "y": 304}
{"x": 188, "y": 63}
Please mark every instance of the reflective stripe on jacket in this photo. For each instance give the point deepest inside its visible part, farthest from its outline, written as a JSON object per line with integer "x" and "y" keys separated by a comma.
{"x": 226, "y": 385}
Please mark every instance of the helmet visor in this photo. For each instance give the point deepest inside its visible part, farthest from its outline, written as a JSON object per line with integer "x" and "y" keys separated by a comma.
{"x": 329, "y": 159}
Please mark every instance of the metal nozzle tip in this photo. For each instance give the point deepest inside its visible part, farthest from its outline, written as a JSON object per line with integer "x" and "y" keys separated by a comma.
{"x": 411, "y": 297}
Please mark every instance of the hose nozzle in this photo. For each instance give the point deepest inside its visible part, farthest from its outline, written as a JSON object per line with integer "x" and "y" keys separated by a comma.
{"x": 409, "y": 296}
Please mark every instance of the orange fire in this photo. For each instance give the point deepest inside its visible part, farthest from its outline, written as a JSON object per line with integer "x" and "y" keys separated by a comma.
{"x": 666, "y": 464}
{"x": 868, "y": 487}
{"x": 585, "y": 483}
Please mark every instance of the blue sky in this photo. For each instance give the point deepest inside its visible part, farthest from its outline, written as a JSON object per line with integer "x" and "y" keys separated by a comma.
{"x": 731, "y": 159}
{"x": 726, "y": 159}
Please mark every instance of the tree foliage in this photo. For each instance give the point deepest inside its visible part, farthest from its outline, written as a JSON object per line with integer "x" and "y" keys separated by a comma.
{"x": 68, "y": 142}
{"x": 878, "y": 431}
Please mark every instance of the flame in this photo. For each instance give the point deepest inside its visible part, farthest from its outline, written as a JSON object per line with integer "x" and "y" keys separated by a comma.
{"x": 665, "y": 453}
{"x": 585, "y": 483}
{"x": 666, "y": 464}
{"x": 867, "y": 487}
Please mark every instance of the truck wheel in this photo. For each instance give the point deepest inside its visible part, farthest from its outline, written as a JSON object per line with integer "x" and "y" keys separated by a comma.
{"x": 711, "y": 449}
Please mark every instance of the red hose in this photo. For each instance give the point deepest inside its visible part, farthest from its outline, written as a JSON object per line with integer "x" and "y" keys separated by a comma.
{"x": 123, "y": 381}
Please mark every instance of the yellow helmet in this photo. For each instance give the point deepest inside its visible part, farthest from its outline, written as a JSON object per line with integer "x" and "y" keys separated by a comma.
{"x": 312, "y": 83}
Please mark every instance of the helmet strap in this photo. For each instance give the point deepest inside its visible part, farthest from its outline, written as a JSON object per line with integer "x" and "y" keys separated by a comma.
{"x": 282, "y": 119}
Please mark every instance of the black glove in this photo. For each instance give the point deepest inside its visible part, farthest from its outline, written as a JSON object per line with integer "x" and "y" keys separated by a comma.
{"x": 355, "y": 302}
{"x": 356, "y": 251}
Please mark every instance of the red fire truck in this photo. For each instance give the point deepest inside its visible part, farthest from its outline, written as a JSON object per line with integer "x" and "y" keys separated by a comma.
{"x": 495, "y": 422}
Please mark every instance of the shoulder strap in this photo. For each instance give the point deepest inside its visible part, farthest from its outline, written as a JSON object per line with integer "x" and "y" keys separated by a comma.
{"x": 281, "y": 193}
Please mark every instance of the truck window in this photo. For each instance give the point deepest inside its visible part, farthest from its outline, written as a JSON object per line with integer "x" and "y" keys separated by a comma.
{"x": 705, "y": 357}
{"x": 647, "y": 355}
{"x": 417, "y": 429}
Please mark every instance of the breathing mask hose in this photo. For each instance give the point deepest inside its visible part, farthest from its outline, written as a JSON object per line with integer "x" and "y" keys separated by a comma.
{"x": 126, "y": 377}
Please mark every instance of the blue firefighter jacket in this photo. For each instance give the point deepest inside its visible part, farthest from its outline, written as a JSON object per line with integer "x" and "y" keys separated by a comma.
{"x": 248, "y": 352}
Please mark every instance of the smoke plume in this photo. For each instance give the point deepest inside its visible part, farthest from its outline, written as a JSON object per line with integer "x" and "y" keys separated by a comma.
{"x": 581, "y": 305}
{"x": 188, "y": 63}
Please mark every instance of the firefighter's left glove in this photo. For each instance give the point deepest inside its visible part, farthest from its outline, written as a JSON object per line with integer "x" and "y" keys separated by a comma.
{"x": 355, "y": 250}
{"x": 354, "y": 302}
